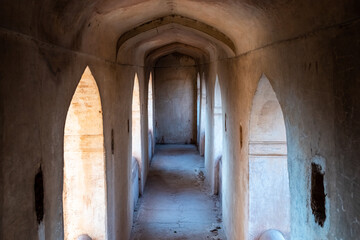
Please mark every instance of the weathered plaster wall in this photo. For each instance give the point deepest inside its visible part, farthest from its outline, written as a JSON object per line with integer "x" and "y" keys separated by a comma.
{"x": 303, "y": 75}
{"x": 346, "y": 80}
{"x": 37, "y": 84}
{"x": 175, "y": 99}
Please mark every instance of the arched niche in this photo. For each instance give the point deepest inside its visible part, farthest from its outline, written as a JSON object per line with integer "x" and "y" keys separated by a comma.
{"x": 218, "y": 135}
{"x": 150, "y": 117}
{"x": 202, "y": 115}
{"x": 269, "y": 195}
{"x": 84, "y": 199}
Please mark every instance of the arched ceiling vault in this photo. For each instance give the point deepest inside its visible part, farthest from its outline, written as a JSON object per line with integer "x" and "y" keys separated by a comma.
{"x": 134, "y": 50}
{"x": 196, "y": 53}
{"x": 177, "y": 19}
{"x": 95, "y": 26}
{"x": 114, "y": 23}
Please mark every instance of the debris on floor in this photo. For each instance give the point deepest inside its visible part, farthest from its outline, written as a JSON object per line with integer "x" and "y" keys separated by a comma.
{"x": 176, "y": 203}
{"x": 201, "y": 175}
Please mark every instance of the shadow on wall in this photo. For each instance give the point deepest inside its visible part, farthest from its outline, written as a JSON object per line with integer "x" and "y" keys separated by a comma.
{"x": 269, "y": 194}
{"x": 218, "y": 177}
{"x": 135, "y": 182}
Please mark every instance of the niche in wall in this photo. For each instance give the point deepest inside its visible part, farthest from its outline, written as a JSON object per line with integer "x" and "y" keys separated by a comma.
{"x": 318, "y": 194}
{"x": 39, "y": 195}
{"x": 84, "y": 199}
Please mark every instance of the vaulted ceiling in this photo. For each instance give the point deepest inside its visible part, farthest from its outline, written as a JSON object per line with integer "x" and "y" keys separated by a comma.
{"x": 131, "y": 31}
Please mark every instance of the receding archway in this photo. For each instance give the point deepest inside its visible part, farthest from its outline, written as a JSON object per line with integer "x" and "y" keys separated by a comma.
{"x": 84, "y": 199}
{"x": 218, "y": 136}
{"x": 269, "y": 195}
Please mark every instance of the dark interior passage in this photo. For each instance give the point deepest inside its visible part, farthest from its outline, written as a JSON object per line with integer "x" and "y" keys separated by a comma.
{"x": 176, "y": 204}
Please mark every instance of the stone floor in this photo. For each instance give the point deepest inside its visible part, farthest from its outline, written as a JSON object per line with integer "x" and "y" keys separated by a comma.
{"x": 176, "y": 204}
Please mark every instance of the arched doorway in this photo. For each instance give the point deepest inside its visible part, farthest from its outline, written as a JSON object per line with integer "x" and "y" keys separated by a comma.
{"x": 84, "y": 199}
{"x": 218, "y": 137}
{"x": 269, "y": 195}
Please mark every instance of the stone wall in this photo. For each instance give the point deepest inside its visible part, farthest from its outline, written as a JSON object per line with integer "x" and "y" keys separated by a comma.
{"x": 175, "y": 100}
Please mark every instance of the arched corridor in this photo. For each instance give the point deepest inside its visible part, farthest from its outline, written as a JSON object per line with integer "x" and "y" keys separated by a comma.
{"x": 234, "y": 119}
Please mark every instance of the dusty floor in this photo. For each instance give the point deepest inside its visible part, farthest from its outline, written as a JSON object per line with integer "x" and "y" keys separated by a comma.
{"x": 176, "y": 203}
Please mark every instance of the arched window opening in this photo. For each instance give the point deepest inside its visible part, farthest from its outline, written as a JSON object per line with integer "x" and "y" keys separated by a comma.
{"x": 150, "y": 118}
{"x": 202, "y": 116}
{"x": 136, "y": 129}
{"x": 136, "y": 141}
{"x": 269, "y": 195}
{"x": 84, "y": 199}
{"x": 218, "y": 135}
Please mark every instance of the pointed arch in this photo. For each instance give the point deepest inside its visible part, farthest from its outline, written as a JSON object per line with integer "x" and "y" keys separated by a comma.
{"x": 84, "y": 198}
{"x": 269, "y": 193}
{"x": 150, "y": 104}
{"x": 136, "y": 160}
{"x": 218, "y": 126}
{"x": 136, "y": 125}
{"x": 218, "y": 136}
{"x": 151, "y": 117}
